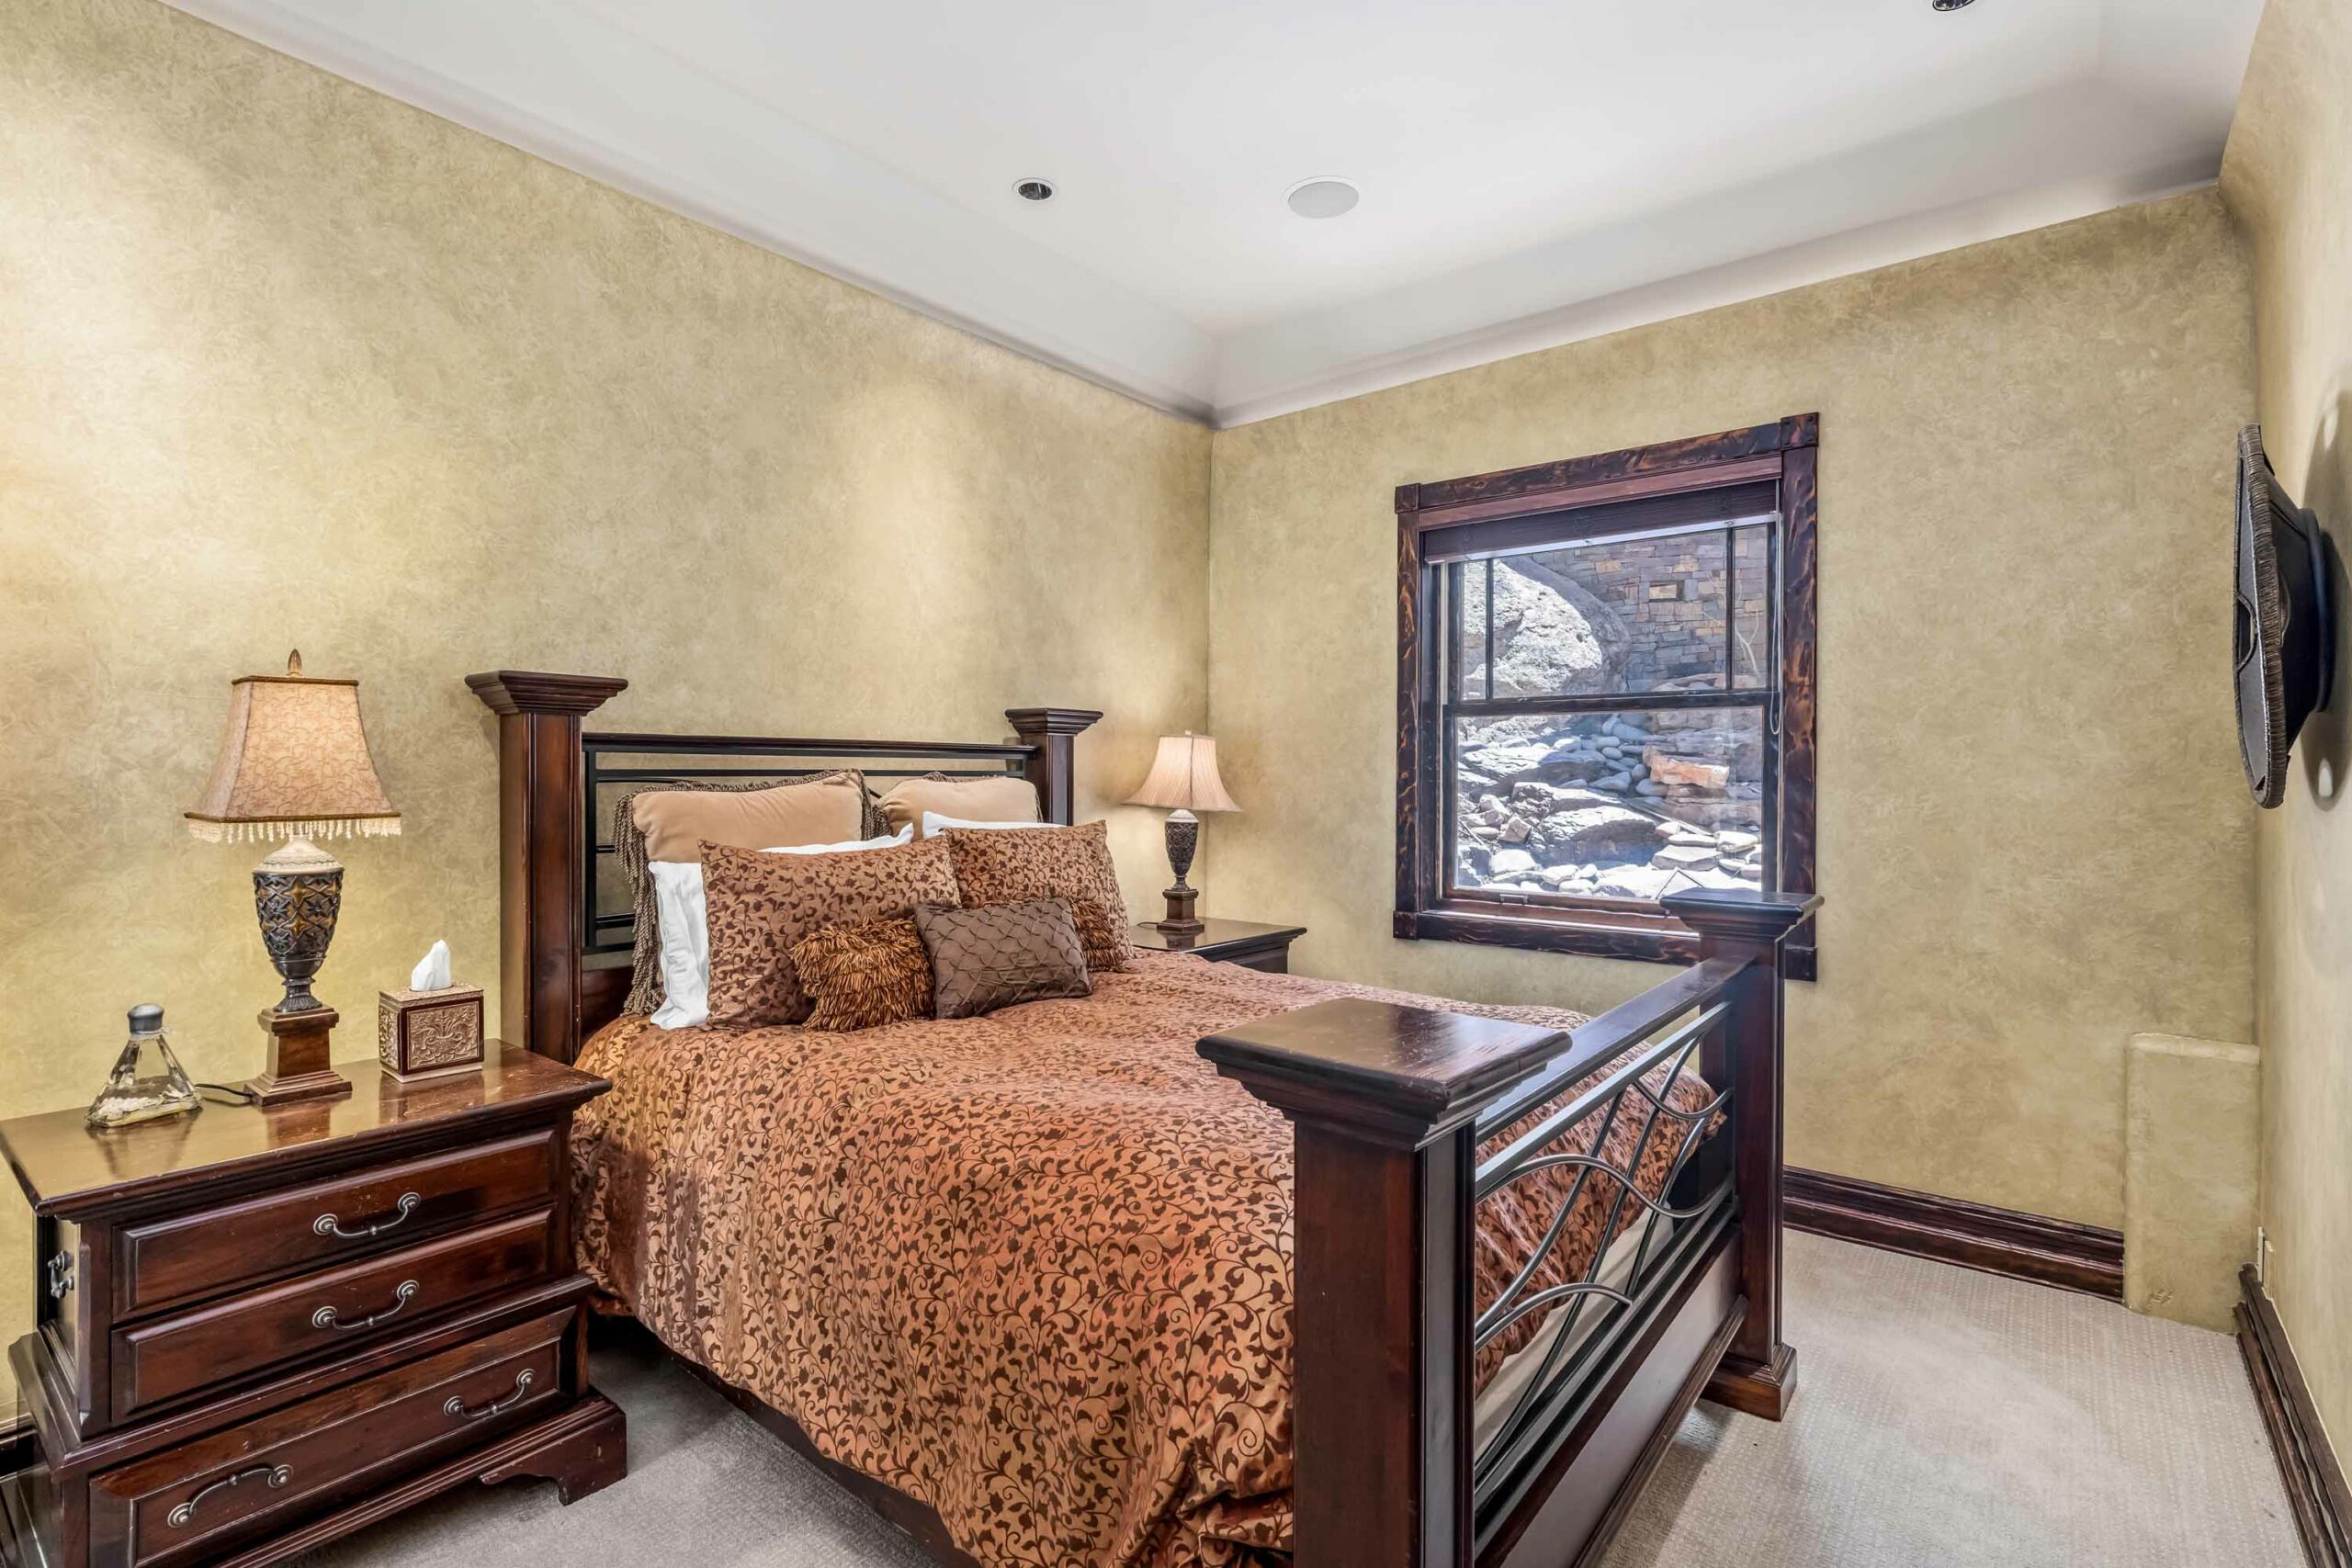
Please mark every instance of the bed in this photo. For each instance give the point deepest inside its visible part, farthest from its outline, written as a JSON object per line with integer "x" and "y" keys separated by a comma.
{"x": 1213, "y": 1267}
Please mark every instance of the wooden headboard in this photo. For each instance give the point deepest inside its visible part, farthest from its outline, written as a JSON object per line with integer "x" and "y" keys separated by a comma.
{"x": 565, "y": 928}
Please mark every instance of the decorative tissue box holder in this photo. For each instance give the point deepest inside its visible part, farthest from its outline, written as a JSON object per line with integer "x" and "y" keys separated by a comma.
{"x": 423, "y": 1035}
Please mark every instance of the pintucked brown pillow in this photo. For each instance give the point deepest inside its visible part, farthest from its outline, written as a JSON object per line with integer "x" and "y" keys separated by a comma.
{"x": 759, "y": 907}
{"x": 1006, "y": 799}
{"x": 862, "y": 976}
{"x": 1048, "y": 862}
{"x": 995, "y": 956}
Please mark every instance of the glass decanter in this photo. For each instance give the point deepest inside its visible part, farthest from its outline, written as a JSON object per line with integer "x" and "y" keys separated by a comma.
{"x": 146, "y": 1082}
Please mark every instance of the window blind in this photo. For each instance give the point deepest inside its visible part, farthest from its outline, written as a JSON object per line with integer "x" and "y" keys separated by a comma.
{"x": 1686, "y": 510}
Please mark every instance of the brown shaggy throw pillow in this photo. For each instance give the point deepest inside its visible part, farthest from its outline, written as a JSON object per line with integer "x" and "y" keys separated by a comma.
{"x": 866, "y": 975}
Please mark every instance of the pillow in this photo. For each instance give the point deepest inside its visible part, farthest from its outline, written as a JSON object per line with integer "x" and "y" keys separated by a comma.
{"x": 684, "y": 933}
{"x": 759, "y": 907}
{"x": 932, "y": 822}
{"x": 1002, "y": 953}
{"x": 631, "y": 850}
{"x": 994, "y": 799}
{"x": 862, "y": 976}
{"x": 827, "y": 809}
{"x": 1052, "y": 863}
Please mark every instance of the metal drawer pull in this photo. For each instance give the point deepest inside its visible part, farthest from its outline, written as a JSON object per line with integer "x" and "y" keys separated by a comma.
{"x": 277, "y": 1475}
{"x": 325, "y": 1317}
{"x": 325, "y": 1224}
{"x": 455, "y": 1405}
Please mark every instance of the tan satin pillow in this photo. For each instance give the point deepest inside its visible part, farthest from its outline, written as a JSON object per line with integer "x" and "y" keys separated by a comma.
{"x": 1006, "y": 799}
{"x": 829, "y": 809}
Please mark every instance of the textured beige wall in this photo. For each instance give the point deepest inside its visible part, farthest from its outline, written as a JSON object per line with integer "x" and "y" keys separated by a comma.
{"x": 2289, "y": 175}
{"x": 285, "y": 363}
{"x": 2193, "y": 1120}
{"x": 2034, "y": 840}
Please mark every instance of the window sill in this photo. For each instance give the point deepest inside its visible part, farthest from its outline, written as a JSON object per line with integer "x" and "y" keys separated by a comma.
{"x": 1592, "y": 933}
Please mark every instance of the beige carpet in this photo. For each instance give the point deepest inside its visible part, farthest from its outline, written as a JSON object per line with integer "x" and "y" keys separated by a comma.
{"x": 1948, "y": 1417}
{"x": 1942, "y": 1417}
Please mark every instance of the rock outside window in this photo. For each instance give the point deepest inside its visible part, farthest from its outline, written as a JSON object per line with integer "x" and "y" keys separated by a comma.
{"x": 1605, "y": 693}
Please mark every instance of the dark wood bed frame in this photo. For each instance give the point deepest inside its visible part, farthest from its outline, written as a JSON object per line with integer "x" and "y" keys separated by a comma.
{"x": 1400, "y": 1117}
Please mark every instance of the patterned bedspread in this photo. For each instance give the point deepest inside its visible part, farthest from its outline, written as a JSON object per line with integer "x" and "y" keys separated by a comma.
{"x": 1032, "y": 1268}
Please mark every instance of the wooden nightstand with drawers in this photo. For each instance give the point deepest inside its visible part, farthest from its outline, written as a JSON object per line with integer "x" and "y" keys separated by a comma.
{"x": 258, "y": 1330}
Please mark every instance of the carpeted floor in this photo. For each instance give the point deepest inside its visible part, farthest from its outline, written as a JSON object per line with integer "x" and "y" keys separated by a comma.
{"x": 1944, "y": 1418}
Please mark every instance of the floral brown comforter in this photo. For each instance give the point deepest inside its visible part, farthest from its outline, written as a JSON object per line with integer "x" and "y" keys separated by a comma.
{"x": 1032, "y": 1268}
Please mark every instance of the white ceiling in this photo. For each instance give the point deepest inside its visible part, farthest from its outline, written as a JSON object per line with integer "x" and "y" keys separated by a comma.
{"x": 1531, "y": 172}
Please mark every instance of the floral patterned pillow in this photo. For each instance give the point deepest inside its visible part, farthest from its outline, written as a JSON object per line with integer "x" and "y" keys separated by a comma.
{"x": 762, "y": 905}
{"x": 1048, "y": 862}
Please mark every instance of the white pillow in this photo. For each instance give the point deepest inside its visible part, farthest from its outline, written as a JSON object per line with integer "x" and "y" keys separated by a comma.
{"x": 683, "y": 928}
{"x": 932, "y": 822}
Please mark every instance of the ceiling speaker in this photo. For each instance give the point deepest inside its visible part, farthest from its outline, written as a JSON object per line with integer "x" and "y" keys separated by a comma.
{"x": 2285, "y": 643}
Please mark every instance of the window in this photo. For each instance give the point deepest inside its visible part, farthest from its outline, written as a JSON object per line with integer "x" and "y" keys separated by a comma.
{"x": 1605, "y": 693}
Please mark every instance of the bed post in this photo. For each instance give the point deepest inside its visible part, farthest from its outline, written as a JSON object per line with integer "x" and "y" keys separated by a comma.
{"x": 1383, "y": 1098}
{"x": 541, "y": 889}
{"x": 1386, "y": 1104}
{"x": 1053, "y": 731}
{"x": 1758, "y": 1372}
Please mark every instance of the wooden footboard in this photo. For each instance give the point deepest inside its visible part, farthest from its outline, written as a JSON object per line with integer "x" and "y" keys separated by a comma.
{"x": 1401, "y": 1116}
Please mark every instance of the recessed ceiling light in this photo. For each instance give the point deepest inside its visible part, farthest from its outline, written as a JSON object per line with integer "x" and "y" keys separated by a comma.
{"x": 1952, "y": 4}
{"x": 1033, "y": 189}
{"x": 1324, "y": 195}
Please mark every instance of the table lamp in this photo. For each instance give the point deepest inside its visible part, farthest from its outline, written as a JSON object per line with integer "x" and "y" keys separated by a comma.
{"x": 1183, "y": 777}
{"x": 295, "y": 765}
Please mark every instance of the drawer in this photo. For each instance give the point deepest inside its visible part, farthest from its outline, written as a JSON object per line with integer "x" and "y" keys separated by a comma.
{"x": 1272, "y": 960}
{"x": 200, "y": 1498}
{"x": 324, "y": 1312}
{"x": 188, "y": 1257}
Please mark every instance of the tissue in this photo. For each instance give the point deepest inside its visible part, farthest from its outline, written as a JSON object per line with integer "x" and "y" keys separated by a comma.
{"x": 432, "y": 971}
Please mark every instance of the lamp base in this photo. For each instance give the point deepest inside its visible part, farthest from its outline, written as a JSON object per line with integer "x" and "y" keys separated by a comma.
{"x": 1183, "y": 838}
{"x": 296, "y": 1066}
{"x": 297, "y": 894}
{"x": 1181, "y": 921}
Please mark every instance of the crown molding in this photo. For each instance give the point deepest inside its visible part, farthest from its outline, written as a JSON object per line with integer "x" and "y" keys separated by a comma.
{"x": 740, "y": 167}
{"x": 1589, "y": 285}
{"x": 737, "y": 166}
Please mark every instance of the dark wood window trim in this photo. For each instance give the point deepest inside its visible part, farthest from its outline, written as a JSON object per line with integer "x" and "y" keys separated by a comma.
{"x": 1786, "y": 453}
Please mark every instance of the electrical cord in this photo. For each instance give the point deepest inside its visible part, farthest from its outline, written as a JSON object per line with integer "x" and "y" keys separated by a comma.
{"x": 227, "y": 1094}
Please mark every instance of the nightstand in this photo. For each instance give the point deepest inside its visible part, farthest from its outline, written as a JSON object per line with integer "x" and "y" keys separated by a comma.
{"x": 1245, "y": 943}
{"x": 258, "y": 1330}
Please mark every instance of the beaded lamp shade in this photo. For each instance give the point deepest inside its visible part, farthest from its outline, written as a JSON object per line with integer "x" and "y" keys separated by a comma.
{"x": 1183, "y": 779}
{"x": 294, "y": 764}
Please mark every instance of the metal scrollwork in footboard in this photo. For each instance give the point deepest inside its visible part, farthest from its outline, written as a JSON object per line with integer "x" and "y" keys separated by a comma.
{"x": 1562, "y": 1125}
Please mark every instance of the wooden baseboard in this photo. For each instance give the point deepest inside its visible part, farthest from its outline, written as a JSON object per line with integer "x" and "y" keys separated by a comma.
{"x": 2315, "y": 1486}
{"x": 2072, "y": 1256}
